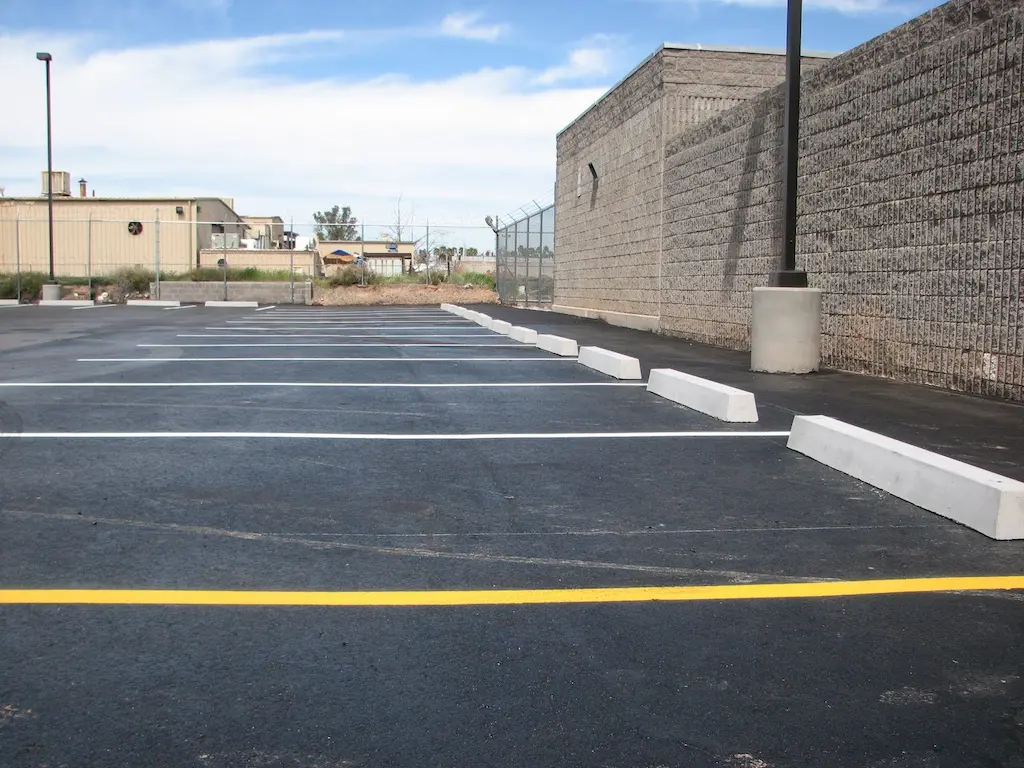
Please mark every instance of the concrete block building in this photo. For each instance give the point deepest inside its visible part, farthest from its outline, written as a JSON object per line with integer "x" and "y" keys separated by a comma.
{"x": 611, "y": 161}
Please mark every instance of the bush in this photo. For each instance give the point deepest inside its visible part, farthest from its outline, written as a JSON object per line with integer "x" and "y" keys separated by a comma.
{"x": 31, "y": 285}
{"x": 133, "y": 280}
{"x": 473, "y": 278}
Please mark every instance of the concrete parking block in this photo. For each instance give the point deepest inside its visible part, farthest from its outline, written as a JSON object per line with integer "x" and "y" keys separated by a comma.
{"x": 67, "y": 303}
{"x": 501, "y": 326}
{"x": 525, "y": 335}
{"x": 236, "y": 304}
{"x": 982, "y": 500}
{"x": 153, "y": 303}
{"x": 718, "y": 400}
{"x": 614, "y": 364}
{"x": 558, "y": 345}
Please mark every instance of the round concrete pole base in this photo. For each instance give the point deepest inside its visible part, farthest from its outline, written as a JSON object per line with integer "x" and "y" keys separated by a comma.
{"x": 51, "y": 292}
{"x": 785, "y": 333}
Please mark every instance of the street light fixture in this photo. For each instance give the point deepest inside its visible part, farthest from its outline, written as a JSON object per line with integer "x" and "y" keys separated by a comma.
{"x": 47, "y": 58}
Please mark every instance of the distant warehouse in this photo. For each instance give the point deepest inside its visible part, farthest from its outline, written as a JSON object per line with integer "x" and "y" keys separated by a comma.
{"x": 95, "y": 235}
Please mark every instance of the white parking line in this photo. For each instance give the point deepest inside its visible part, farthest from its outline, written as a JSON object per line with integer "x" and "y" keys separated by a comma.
{"x": 327, "y": 359}
{"x": 264, "y": 309}
{"x": 379, "y": 436}
{"x": 330, "y": 336}
{"x": 278, "y": 329}
{"x": 95, "y": 306}
{"x": 342, "y": 384}
{"x": 513, "y": 345}
{"x": 183, "y": 306}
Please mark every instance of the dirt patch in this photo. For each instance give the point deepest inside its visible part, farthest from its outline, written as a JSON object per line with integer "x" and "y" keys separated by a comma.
{"x": 402, "y": 294}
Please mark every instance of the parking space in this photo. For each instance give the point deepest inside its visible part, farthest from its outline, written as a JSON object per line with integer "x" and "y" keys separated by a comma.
{"x": 382, "y": 474}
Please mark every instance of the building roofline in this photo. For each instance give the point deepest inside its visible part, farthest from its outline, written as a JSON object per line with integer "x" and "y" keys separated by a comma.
{"x": 693, "y": 47}
{"x": 64, "y": 198}
{"x": 746, "y": 49}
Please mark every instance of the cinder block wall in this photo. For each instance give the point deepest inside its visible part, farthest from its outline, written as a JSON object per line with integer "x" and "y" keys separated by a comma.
{"x": 265, "y": 293}
{"x": 608, "y": 231}
{"x": 911, "y": 205}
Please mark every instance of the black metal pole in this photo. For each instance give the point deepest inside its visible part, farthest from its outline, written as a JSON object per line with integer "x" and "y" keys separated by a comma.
{"x": 790, "y": 276}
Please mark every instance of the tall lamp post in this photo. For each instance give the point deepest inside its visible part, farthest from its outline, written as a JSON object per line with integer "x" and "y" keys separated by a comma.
{"x": 790, "y": 276}
{"x": 51, "y": 291}
{"x": 785, "y": 327}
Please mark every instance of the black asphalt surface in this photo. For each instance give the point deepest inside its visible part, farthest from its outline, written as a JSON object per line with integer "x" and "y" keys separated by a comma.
{"x": 896, "y": 681}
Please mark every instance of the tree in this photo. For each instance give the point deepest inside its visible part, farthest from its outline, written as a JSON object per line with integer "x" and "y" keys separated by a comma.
{"x": 335, "y": 224}
{"x": 394, "y": 232}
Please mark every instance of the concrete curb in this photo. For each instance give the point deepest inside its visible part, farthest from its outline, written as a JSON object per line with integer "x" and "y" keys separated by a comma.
{"x": 611, "y": 363}
{"x": 153, "y": 303}
{"x": 449, "y": 308}
{"x": 501, "y": 326}
{"x": 989, "y": 503}
{"x": 621, "y": 319}
{"x": 483, "y": 320}
{"x": 718, "y": 400}
{"x": 558, "y": 345}
{"x": 228, "y": 304}
{"x": 525, "y": 335}
{"x": 66, "y": 303}
{"x": 8, "y": 302}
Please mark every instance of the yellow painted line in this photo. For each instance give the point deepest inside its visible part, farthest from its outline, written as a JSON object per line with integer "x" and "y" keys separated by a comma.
{"x": 509, "y": 596}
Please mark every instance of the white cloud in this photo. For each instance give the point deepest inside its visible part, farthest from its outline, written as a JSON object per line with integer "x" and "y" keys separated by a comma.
{"x": 595, "y": 57}
{"x": 203, "y": 119}
{"x": 467, "y": 27}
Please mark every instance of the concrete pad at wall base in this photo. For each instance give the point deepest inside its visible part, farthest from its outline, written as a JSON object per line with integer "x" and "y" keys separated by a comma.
{"x": 718, "y": 400}
{"x": 153, "y": 303}
{"x": 237, "y": 304}
{"x": 501, "y": 326}
{"x": 558, "y": 345}
{"x": 982, "y": 500}
{"x": 525, "y": 335}
{"x": 7, "y": 302}
{"x": 612, "y": 363}
{"x": 785, "y": 330}
{"x": 622, "y": 319}
{"x": 67, "y": 303}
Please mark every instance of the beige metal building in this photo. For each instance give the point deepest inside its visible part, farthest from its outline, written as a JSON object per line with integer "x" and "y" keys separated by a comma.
{"x": 268, "y": 231}
{"x": 98, "y": 235}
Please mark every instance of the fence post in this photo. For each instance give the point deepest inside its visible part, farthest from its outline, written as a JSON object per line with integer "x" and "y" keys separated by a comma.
{"x": 428, "y": 250}
{"x": 224, "y": 260}
{"x": 362, "y": 253}
{"x": 156, "y": 250}
{"x": 526, "y": 284}
{"x": 291, "y": 271}
{"x": 17, "y": 252}
{"x": 88, "y": 255}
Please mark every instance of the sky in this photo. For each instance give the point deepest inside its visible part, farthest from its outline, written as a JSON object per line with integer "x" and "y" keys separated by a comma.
{"x": 292, "y": 106}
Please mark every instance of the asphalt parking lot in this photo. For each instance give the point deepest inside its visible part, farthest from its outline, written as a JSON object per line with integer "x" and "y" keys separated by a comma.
{"x": 404, "y": 455}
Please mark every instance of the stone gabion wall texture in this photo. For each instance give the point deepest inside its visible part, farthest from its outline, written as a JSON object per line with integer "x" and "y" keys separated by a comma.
{"x": 910, "y": 211}
{"x": 265, "y": 293}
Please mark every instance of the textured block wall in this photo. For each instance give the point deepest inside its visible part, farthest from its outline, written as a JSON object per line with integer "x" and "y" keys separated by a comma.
{"x": 265, "y": 293}
{"x": 608, "y": 232}
{"x": 911, "y": 205}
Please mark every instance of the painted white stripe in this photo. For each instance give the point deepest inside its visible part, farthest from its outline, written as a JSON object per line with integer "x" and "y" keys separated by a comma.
{"x": 379, "y": 436}
{"x": 343, "y": 384}
{"x": 14, "y": 306}
{"x": 326, "y": 360}
{"x": 333, "y": 344}
{"x": 329, "y": 336}
{"x": 95, "y": 306}
{"x": 475, "y": 331}
{"x": 264, "y": 309}
{"x": 267, "y": 322}
{"x": 183, "y": 306}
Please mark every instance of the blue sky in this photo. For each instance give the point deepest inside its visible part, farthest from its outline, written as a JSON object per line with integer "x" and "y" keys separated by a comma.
{"x": 290, "y": 106}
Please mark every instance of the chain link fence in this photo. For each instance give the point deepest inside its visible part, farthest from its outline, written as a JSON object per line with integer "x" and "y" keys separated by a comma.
{"x": 525, "y": 272}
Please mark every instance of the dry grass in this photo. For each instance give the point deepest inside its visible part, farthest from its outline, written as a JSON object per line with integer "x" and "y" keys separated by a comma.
{"x": 402, "y": 294}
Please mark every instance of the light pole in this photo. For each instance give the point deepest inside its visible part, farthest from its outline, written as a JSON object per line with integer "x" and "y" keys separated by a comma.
{"x": 789, "y": 276}
{"x": 51, "y": 293}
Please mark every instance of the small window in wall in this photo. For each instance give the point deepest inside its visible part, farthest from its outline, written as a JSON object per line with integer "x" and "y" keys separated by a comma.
{"x": 217, "y": 229}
